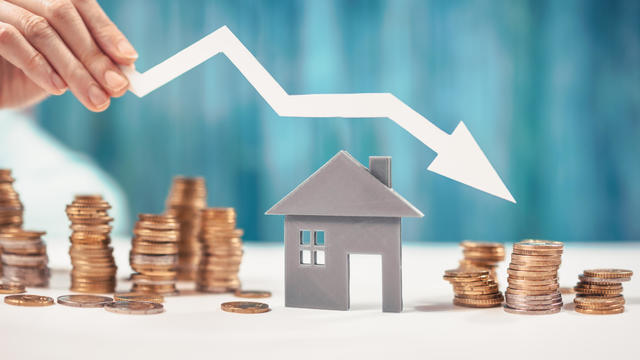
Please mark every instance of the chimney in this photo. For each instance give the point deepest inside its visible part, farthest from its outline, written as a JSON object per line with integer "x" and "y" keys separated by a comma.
{"x": 380, "y": 167}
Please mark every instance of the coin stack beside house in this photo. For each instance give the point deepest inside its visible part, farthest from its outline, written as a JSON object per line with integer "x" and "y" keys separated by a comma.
{"x": 94, "y": 268}
{"x": 599, "y": 291}
{"x": 482, "y": 255}
{"x": 474, "y": 288}
{"x": 221, "y": 251}
{"x": 154, "y": 254}
{"x": 24, "y": 257}
{"x": 187, "y": 197}
{"x": 533, "y": 278}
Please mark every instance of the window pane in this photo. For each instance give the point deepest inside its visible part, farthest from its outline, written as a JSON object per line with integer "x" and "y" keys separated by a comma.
{"x": 305, "y": 237}
{"x": 305, "y": 257}
{"x": 319, "y": 237}
{"x": 319, "y": 257}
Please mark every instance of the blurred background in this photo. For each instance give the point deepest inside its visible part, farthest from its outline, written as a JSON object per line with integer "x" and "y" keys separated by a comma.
{"x": 549, "y": 89}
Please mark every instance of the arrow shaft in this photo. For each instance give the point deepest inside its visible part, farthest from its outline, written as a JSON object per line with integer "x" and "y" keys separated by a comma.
{"x": 368, "y": 105}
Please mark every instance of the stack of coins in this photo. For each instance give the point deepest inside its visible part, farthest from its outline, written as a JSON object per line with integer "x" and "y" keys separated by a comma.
{"x": 24, "y": 257}
{"x": 473, "y": 288}
{"x": 481, "y": 255}
{"x": 154, "y": 254}
{"x": 533, "y": 278}
{"x": 94, "y": 268}
{"x": 187, "y": 197}
{"x": 221, "y": 251}
{"x": 11, "y": 209}
{"x": 599, "y": 291}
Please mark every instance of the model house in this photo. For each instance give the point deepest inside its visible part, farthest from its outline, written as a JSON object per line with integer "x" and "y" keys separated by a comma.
{"x": 342, "y": 209}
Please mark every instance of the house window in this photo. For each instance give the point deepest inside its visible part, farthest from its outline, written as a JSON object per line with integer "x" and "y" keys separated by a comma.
{"x": 312, "y": 247}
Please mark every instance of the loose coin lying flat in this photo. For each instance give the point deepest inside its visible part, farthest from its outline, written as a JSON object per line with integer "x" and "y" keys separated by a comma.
{"x": 11, "y": 288}
{"x": 134, "y": 307}
{"x": 245, "y": 307}
{"x": 84, "y": 301}
{"x": 131, "y": 296}
{"x": 254, "y": 294}
{"x": 28, "y": 300}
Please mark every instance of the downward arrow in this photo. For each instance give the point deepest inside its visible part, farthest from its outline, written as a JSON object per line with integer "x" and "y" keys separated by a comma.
{"x": 459, "y": 156}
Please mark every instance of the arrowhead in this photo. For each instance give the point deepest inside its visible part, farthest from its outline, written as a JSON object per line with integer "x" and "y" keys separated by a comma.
{"x": 462, "y": 160}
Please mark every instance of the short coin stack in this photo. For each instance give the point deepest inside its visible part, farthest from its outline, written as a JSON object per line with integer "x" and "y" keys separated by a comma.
{"x": 94, "y": 268}
{"x": 482, "y": 255}
{"x": 187, "y": 197}
{"x": 221, "y": 251}
{"x": 154, "y": 254}
{"x": 473, "y": 288}
{"x": 533, "y": 278}
{"x": 599, "y": 291}
{"x": 11, "y": 209}
{"x": 24, "y": 257}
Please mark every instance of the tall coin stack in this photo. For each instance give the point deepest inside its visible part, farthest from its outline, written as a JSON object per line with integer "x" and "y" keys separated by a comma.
{"x": 599, "y": 291}
{"x": 473, "y": 288}
{"x": 187, "y": 197}
{"x": 154, "y": 254}
{"x": 11, "y": 209}
{"x": 24, "y": 257}
{"x": 533, "y": 278}
{"x": 221, "y": 251}
{"x": 481, "y": 255}
{"x": 94, "y": 268}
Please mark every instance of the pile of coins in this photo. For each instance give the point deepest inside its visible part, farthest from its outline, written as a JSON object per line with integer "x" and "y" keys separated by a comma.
{"x": 187, "y": 197}
{"x": 24, "y": 257}
{"x": 599, "y": 291}
{"x": 533, "y": 278}
{"x": 94, "y": 268}
{"x": 11, "y": 209}
{"x": 154, "y": 254}
{"x": 473, "y": 288}
{"x": 481, "y": 255}
{"x": 221, "y": 251}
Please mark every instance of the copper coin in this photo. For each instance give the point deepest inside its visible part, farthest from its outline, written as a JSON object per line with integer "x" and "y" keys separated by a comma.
{"x": 245, "y": 307}
{"x": 28, "y": 300}
{"x": 134, "y": 307}
{"x": 132, "y": 296}
{"x": 11, "y": 288}
{"x": 84, "y": 301}
{"x": 617, "y": 310}
{"x": 608, "y": 273}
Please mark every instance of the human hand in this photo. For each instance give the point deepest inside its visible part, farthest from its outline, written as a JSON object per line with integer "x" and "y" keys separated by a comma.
{"x": 47, "y": 46}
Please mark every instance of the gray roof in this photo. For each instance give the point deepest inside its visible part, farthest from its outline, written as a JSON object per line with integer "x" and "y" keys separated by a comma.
{"x": 344, "y": 187}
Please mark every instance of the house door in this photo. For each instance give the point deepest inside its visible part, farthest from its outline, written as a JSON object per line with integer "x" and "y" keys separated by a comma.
{"x": 365, "y": 281}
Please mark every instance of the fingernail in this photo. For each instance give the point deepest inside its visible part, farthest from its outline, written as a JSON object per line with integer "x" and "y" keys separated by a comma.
{"x": 58, "y": 83}
{"x": 115, "y": 80}
{"x": 97, "y": 96}
{"x": 127, "y": 50}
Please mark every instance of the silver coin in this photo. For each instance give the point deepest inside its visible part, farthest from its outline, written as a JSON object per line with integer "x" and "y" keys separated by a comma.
{"x": 24, "y": 260}
{"x": 84, "y": 301}
{"x": 134, "y": 307}
{"x": 534, "y": 306}
{"x": 154, "y": 259}
{"x": 532, "y": 312}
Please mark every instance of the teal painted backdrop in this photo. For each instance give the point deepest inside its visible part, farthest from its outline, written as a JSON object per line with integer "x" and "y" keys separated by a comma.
{"x": 549, "y": 89}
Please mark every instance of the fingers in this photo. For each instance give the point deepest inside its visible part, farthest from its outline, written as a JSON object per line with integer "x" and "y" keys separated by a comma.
{"x": 65, "y": 19}
{"x": 106, "y": 34}
{"x": 37, "y": 31}
{"x": 17, "y": 50}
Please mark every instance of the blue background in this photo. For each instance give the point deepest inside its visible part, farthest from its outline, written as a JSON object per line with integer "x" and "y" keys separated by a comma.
{"x": 549, "y": 89}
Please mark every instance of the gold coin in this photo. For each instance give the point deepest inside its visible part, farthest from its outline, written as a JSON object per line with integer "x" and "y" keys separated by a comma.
{"x": 245, "y": 307}
{"x": 599, "y": 301}
{"x": 11, "y": 288}
{"x": 132, "y": 296}
{"x": 28, "y": 300}
{"x": 617, "y": 310}
{"x": 608, "y": 273}
{"x": 252, "y": 294}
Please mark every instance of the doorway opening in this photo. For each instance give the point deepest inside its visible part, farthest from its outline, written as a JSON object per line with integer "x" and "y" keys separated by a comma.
{"x": 365, "y": 281}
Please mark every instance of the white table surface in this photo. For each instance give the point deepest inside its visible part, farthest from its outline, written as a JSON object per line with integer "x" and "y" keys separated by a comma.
{"x": 193, "y": 325}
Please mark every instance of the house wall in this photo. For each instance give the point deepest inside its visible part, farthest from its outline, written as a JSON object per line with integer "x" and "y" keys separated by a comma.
{"x": 327, "y": 286}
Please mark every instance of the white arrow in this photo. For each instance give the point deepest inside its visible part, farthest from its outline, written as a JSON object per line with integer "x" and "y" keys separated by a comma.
{"x": 459, "y": 156}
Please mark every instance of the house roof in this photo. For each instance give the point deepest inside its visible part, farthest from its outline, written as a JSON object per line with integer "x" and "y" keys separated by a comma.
{"x": 344, "y": 187}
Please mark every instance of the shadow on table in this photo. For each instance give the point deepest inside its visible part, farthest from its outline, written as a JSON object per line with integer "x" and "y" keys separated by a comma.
{"x": 435, "y": 307}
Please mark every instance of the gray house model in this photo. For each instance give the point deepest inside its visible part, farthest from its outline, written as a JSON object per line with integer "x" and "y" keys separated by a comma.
{"x": 342, "y": 209}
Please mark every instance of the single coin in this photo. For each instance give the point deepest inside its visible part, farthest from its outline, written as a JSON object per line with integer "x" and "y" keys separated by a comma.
{"x": 134, "y": 307}
{"x": 11, "y": 288}
{"x": 253, "y": 294}
{"x": 617, "y": 310}
{"x": 601, "y": 301}
{"x": 84, "y": 301}
{"x": 465, "y": 273}
{"x": 598, "y": 280}
{"x": 608, "y": 273}
{"x": 532, "y": 312}
{"x": 245, "y": 307}
{"x": 28, "y": 300}
{"x": 130, "y": 296}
